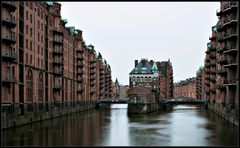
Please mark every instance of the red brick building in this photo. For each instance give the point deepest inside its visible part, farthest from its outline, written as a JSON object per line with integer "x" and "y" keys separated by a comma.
{"x": 200, "y": 90}
{"x": 166, "y": 79}
{"x": 186, "y": 88}
{"x": 46, "y": 64}
{"x": 222, "y": 63}
{"x": 144, "y": 82}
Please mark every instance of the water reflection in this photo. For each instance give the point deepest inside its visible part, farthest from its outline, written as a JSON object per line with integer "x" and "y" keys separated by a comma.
{"x": 181, "y": 126}
{"x": 118, "y": 127}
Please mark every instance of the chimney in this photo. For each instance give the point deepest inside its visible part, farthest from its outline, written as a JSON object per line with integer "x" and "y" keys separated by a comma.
{"x": 151, "y": 62}
{"x": 143, "y": 63}
{"x": 136, "y": 62}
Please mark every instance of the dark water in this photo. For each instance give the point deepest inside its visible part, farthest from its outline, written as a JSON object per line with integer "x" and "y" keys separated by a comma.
{"x": 182, "y": 126}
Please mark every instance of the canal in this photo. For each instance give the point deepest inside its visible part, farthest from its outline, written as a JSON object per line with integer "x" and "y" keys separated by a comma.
{"x": 182, "y": 126}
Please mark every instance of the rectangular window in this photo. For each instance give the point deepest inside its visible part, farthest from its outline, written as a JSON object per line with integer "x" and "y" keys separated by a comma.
{"x": 41, "y": 26}
{"x": 41, "y": 50}
{"x": 41, "y": 38}
{"x": 38, "y": 37}
{"x": 30, "y": 59}
{"x": 38, "y": 49}
{"x": 38, "y": 62}
{"x": 30, "y": 45}
{"x": 27, "y": 43}
{"x": 41, "y": 15}
{"x": 31, "y": 32}
{"x": 38, "y": 12}
{"x": 31, "y": 5}
{"x": 30, "y": 18}
{"x": 38, "y": 24}
{"x": 26, "y": 29}
{"x": 26, "y": 15}
{"x": 26, "y": 58}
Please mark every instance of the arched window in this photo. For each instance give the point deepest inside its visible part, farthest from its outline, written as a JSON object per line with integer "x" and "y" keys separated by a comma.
{"x": 40, "y": 87}
{"x": 29, "y": 85}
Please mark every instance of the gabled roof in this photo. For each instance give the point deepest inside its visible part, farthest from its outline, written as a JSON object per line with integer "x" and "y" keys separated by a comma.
{"x": 143, "y": 65}
{"x": 154, "y": 67}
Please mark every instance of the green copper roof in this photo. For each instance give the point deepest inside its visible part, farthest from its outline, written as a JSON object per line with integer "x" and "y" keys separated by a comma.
{"x": 215, "y": 29}
{"x": 144, "y": 68}
{"x": 50, "y": 3}
{"x": 65, "y": 20}
{"x": 75, "y": 32}
{"x": 201, "y": 68}
{"x": 71, "y": 30}
{"x": 154, "y": 67}
{"x": 209, "y": 45}
{"x": 96, "y": 55}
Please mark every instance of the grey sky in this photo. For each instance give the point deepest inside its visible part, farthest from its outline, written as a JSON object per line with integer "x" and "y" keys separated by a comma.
{"x": 126, "y": 31}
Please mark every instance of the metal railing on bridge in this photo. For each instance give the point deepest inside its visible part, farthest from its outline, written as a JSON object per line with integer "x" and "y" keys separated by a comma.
{"x": 112, "y": 101}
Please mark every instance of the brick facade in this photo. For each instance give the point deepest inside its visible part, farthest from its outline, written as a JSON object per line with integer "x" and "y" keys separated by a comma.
{"x": 186, "y": 88}
{"x": 45, "y": 62}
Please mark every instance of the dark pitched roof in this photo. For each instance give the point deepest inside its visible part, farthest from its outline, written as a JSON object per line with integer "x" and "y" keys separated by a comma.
{"x": 143, "y": 65}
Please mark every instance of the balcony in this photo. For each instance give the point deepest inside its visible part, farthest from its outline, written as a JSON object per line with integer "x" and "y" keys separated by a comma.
{"x": 92, "y": 71}
{"x": 222, "y": 60}
{"x": 57, "y": 30}
{"x": 220, "y": 50}
{"x": 79, "y": 90}
{"x": 80, "y": 57}
{"x": 230, "y": 35}
{"x": 79, "y": 79}
{"x": 231, "y": 6}
{"x": 212, "y": 63}
{"x": 57, "y": 72}
{"x": 212, "y": 55}
{"x": 219, "y": 26}
{"x": 220, "y": 86}
{"x": 9, "y": 38}
{"x": 80, "y": 72}
{"x": 231, "y": 49}
{"x": 230, "y": 82}
{"x": 57, "y": 51}
{"x": 57, "y": 62}
{"x": 58, "y": 41}
{"x": 11, "y": 6}
{"x": 80, "y": 51}
{"x": 212, "y": 79}
{"x": 231, "y": 62}
{"x": 92, "y": 66}
{"x": 92, "y": 77}
{"x": 93, "y": 61}
{"x": 92, "y": 84}
{"x": 9, "y": 21}
{"x": 9, "y": 79}
{"x": 9, "y": 56}
{"x": 57, "y": 87}
{"x": 220, "y": 38}
{"x": 231, "y": 20}
{"x": 222, "y": 71}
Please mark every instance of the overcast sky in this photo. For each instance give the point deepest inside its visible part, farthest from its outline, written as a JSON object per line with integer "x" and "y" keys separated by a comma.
{"x": 126, "y": 31}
